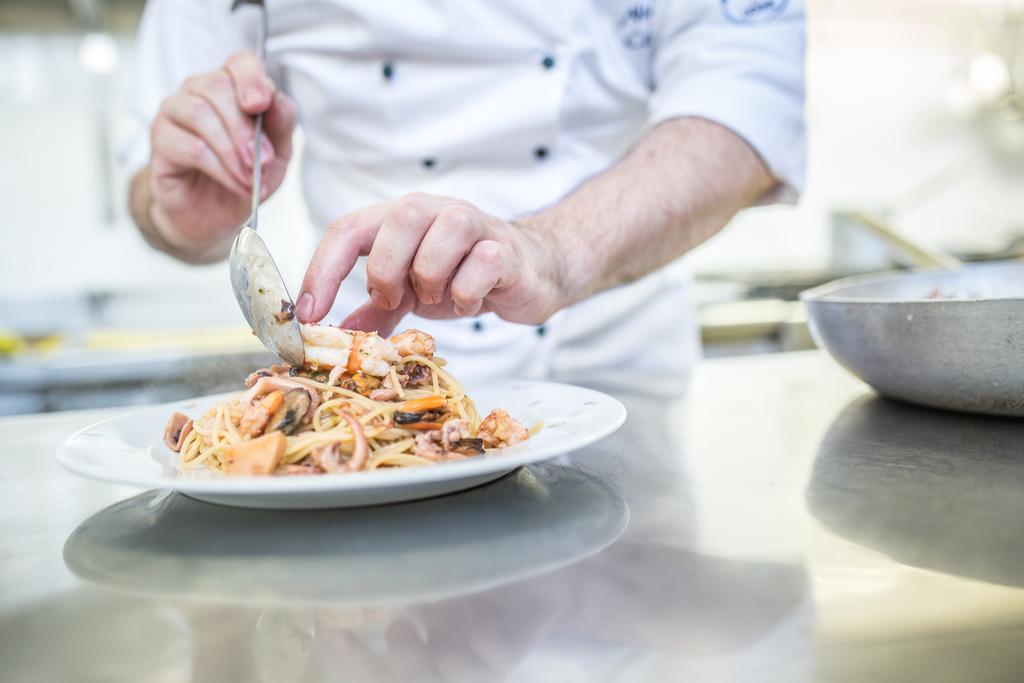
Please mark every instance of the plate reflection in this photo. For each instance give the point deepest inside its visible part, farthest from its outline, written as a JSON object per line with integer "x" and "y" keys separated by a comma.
{"x": 173, "y": 546}
{"x": 531, "y": 578}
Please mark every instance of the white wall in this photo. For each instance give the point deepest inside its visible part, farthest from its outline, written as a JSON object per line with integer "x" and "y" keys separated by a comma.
{"x": 56, "y": 238}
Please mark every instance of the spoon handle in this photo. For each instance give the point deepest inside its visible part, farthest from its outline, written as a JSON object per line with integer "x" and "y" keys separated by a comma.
{"x": 257, "y": 166}
{"x": 257, "y": 171}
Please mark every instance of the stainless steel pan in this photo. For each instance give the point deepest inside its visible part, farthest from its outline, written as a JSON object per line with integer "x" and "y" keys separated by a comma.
{"x": 950, "y": 339}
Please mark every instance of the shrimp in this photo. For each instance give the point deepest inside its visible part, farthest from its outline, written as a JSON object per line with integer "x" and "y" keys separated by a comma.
{"x": 354, "y": 351}
{"x": 499, "y": 430}
{"x": 414, "y": 342}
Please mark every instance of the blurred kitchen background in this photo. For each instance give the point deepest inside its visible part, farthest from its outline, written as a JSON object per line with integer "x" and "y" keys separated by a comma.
{"x": 916, "y": 117}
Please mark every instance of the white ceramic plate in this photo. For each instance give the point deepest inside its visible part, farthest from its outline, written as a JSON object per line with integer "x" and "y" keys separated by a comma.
{"x": 129, "y": 449}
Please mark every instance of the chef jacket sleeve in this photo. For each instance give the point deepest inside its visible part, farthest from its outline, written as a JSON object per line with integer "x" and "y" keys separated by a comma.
{"x": 176, "y": 39}
{"x": 739, "y": 63}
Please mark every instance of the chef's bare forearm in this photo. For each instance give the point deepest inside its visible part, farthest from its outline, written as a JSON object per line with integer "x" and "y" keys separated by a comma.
{"x": 160, "y": 234}
{"x": 676, "y": 188}
{"x": 442, "y": 257}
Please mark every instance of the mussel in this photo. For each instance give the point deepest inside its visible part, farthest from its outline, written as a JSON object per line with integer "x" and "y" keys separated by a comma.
{"x": 291, "y": 414}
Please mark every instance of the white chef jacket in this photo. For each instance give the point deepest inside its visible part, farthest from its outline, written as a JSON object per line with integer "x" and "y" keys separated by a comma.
{"x": 510, "y": 105}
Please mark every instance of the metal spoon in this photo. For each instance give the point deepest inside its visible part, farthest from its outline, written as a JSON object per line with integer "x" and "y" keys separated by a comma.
{"x": 258, "y": 285}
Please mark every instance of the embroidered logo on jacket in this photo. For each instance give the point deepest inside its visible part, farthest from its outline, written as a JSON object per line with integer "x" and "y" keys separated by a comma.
{"x": 635, "y": 26}
{"x": 753, "y": 11}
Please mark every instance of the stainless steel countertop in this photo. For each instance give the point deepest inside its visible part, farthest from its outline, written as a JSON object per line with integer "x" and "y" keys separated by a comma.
{"x": 777, "y": 524}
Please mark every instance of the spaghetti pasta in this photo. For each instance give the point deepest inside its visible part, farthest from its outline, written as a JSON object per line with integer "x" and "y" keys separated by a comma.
{"x": 386, "y": 403}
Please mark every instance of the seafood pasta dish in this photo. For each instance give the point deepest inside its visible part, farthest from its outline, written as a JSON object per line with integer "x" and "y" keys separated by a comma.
{"x": 360, "y": 402}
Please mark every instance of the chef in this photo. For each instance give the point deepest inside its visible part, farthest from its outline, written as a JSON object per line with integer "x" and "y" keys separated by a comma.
{"x": 518, "y": 178}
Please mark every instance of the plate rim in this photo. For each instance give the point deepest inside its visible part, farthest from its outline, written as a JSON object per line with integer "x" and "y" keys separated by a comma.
{"x": 353, "y": 482}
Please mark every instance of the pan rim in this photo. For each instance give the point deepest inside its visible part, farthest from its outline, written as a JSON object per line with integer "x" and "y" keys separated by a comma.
{"x": 831, "y": 292}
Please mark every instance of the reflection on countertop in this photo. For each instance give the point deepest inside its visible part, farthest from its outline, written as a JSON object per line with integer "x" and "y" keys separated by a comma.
{"x": 535, "y": 577}
{"x": 167, "y": 544}
{"x": 930, "y": 488}
{"x": 686, "y": 547}
{"x": 418, "y": 592}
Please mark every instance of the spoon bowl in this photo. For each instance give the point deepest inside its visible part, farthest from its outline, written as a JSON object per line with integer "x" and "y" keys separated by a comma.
{"x": 263, "y": 297}
{"x": 258, "y": 285}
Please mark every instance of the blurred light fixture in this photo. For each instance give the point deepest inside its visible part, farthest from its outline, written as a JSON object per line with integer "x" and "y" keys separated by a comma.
{"x": 98, "y": 54}
{"x": 989, "y": 75}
